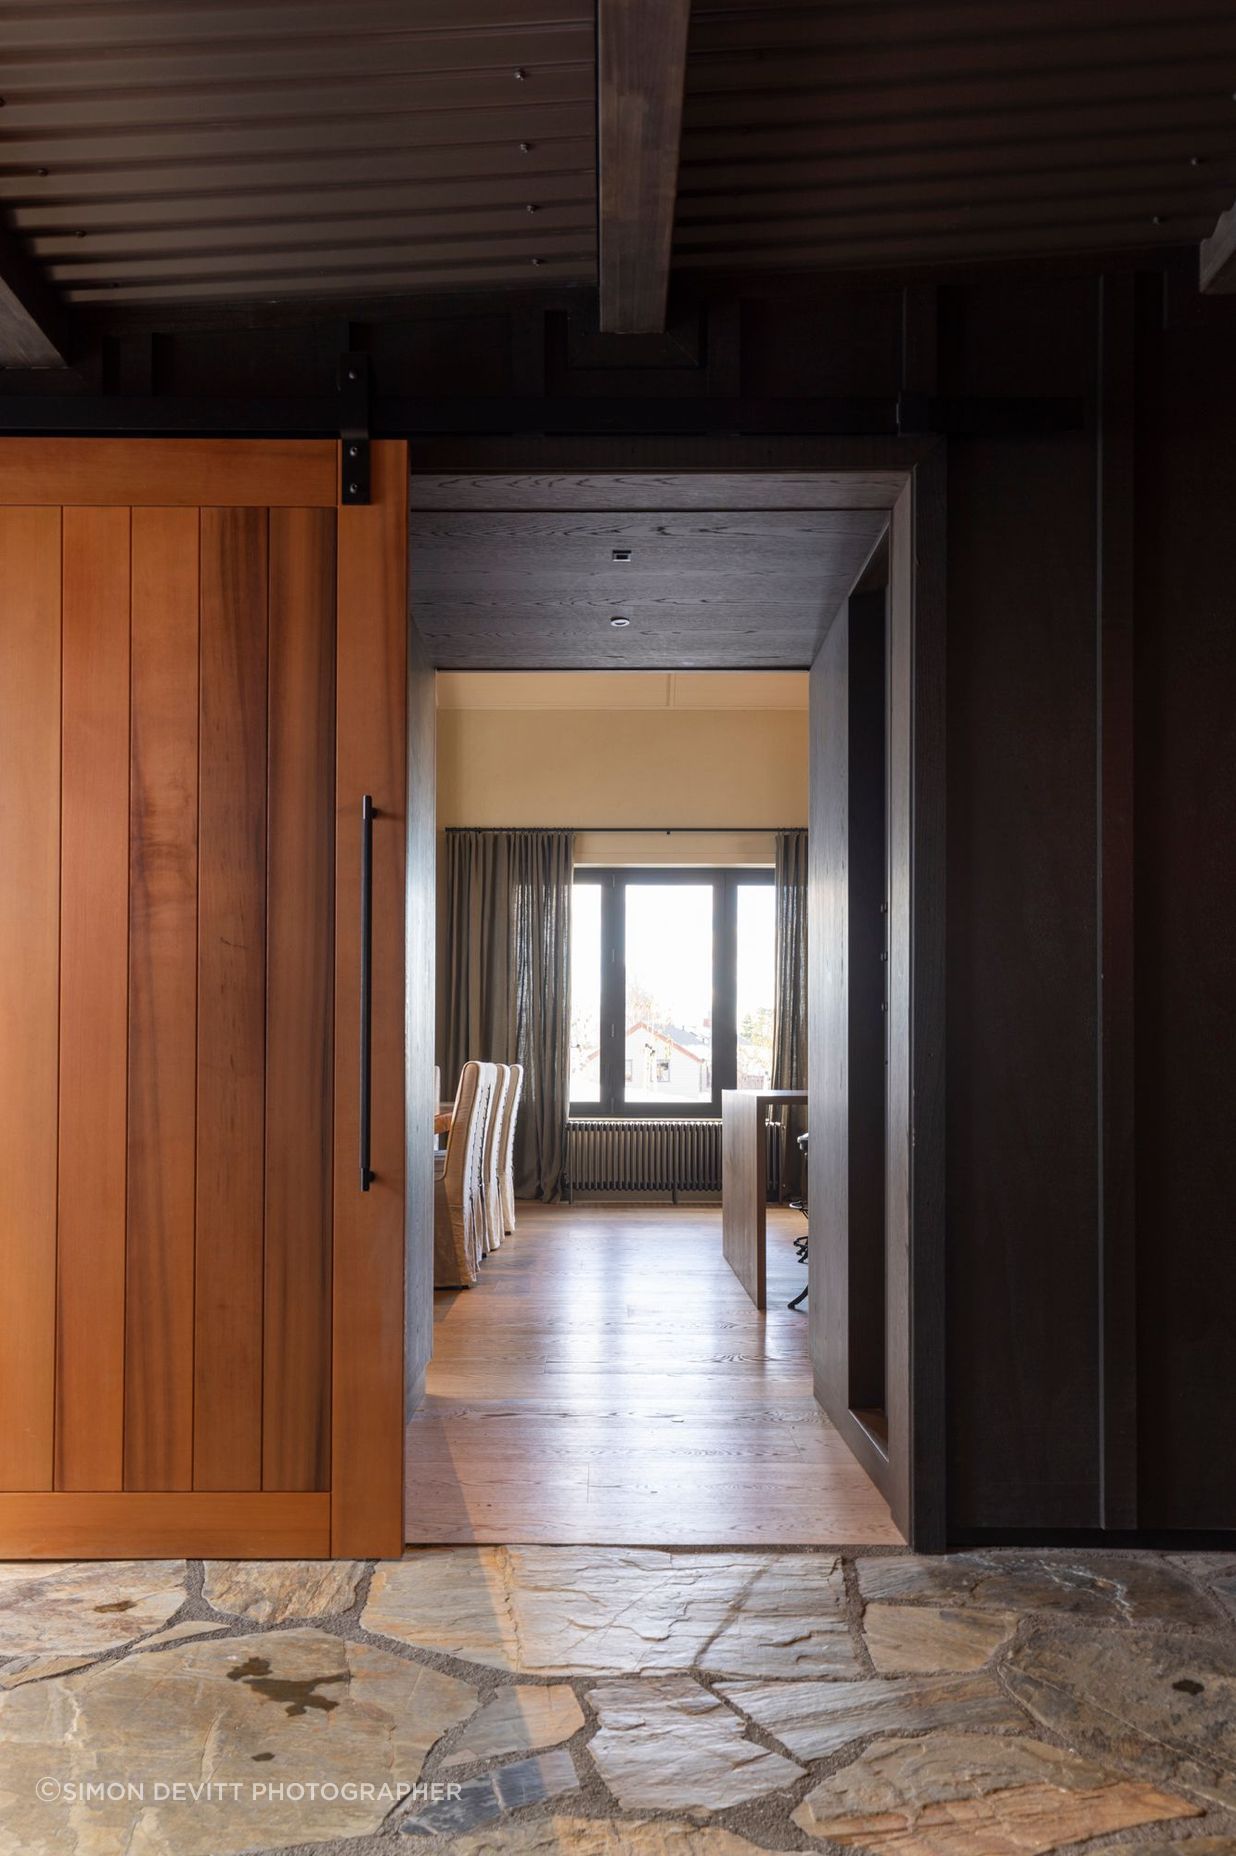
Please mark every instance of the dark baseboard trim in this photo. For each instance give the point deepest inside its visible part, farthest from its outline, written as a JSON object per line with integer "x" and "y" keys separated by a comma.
{"x": 1173, "y": 1540}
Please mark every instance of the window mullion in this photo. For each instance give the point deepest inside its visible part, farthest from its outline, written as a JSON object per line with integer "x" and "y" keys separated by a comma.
{"x": 724, "y": 986}
{"x": 613, "y": 991}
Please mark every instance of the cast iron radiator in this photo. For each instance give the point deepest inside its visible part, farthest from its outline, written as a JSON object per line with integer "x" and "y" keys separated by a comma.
{"x": 654, "y": 1157}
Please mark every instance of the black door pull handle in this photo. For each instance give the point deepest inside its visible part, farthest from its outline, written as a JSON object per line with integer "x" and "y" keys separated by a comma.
{"x": 366, "y": 986}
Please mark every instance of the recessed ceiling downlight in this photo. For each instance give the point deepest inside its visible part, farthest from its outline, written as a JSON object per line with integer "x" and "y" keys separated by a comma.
{"x": 618, "y": 622}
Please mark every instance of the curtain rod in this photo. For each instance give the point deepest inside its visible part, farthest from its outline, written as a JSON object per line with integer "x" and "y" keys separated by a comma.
{"x": 649, "y": 831}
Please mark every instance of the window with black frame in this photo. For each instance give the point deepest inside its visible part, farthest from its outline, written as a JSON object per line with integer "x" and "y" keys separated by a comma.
{"x": 672, "y": 975}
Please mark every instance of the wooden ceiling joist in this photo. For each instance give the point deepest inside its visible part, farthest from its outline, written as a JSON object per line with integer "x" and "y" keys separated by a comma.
{"x": 641, "y": 66}
{"x": 33, "y": 323}
{"x": 1218, "y": 257}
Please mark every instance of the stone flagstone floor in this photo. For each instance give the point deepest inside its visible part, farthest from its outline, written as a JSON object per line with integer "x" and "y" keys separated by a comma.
{"x": 601, "y": 1701}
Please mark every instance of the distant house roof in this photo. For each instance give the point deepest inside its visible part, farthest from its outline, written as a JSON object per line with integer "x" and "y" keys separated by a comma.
{"x": 675, "y": 1035}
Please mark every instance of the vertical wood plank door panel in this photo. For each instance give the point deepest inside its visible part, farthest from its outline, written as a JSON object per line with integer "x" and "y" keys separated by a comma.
{"x": 94, "y": 979}
{"x": 231, "y": 1003}
{"x": 29, "y": 988}
{"x": 158, "y": 1434}
{"x": 300, "y": 986}
{"x": 203, "y": 1346}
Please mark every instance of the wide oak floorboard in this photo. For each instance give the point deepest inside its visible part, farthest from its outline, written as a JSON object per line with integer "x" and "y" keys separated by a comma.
{"x": 608, "y": 1382}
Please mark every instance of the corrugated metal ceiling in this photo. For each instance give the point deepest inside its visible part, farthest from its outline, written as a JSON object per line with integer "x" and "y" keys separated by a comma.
{"x": 905, "y": 131}
{"x": 204, "y": 151}
{"x": 199, "y": 150}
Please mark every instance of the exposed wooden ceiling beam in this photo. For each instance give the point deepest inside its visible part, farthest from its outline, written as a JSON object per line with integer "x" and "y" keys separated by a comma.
{"x": 641, "y": 64}
{"x": 1218, "y": 257}
{"x": 34, "y": 324}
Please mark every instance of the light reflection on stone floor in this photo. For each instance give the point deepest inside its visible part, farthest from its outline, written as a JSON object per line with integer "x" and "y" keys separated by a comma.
{"x": 610, "y": 1700}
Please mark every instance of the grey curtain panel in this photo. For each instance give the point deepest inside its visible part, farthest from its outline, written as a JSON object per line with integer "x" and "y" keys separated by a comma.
{"x": 508, "y": 968}
{"x": 789, "y": 1063}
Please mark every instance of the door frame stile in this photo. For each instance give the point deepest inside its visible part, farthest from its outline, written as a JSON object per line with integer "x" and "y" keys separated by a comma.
{"x": 367, "y": 1350}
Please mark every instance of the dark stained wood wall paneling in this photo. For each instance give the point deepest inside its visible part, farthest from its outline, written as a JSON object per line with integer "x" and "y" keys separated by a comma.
{"x": 828, "y": 1046}
{"x": 231, "y": 1043}
{"x": 30, "y": 547}
{"x": 94, "y": 990}
{"x": 1115, "y": 520}
{"x": 859, "y": 1351}
{"x": 299, "y": 1001}
{"x": 162, "y": 1082}
{"x": 1022, "y": 1126}
{"x": 926, "y": 829}
{"x": 867, "y": 1016}
{"x": 1185, "y": 910}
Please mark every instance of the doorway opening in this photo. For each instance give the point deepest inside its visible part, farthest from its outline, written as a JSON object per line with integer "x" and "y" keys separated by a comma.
{"x": 604, "y": 1377}
{"x": 607, "y": 1379}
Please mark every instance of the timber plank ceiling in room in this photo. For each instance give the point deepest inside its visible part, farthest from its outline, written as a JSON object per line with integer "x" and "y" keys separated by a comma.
{"x": 209, "y": 152}
{"x": 705, "y": 585}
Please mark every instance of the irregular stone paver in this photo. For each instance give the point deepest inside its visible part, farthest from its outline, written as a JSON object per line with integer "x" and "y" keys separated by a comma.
{"x": 1164, "y": 1702}
{"x": 289, "y": 1707}
{"x": 776, "y": 1632}
{"x": 925, "y": 1639}
{"x": 175, "y": 1633}
{"x": 519, "y": 1720}
{"x": 89, "y": 1605}
{"x": 598, "y": 1610}
{"x": 1130, "y": 1659}
{"x": 1095, "y": 1585}
{"x": 34, "y": 1668}
{"x": 1215, "y": 1571}
{"x": 1203, "y": 1566}
{"x": 583, "y": 1836}
{"x": 815, "y": 1719}
{"x": 509, "y": 1788}
{"x": 270, "y": 1591}
{"x": 976, "y": 1795}
{"x": 667, "y": 1744}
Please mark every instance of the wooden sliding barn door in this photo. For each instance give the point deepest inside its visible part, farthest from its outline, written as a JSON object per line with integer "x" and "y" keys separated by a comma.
{"x": 201, "y": 677}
